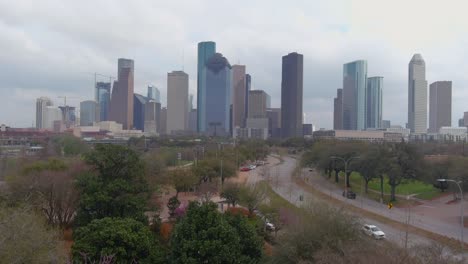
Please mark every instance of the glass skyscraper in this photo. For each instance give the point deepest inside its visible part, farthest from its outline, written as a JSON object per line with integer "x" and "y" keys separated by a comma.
{"x": 205, "y": 51}
{"x": 354, "y": 95}
{"x": 154, "y": 94}
{"x": 417, "y": 95}
{"x": 374, "y": 102}
{"x": 217, "y": 99}
{"x": 89, "y": 113}
{"x": 103, "y": 99}
{"x": 291, "y": 95}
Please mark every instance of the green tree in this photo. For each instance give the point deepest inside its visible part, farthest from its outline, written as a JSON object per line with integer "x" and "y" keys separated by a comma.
{"x": 26, "y": 238}
{"x": 253, "y": 196}
{"x": 183, "y": 179}
{"x": 124, "y": 239}
{"x": 172, "y": 205}
{"x": 69, "y": 145}
{"x": 115, "y": 188}
{"x": 231, "y": 192}
{"x": 250, "y": 243}
{"x": 205, "y": 236}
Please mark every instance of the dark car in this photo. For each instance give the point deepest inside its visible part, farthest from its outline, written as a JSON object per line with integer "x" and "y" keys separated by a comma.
{"x": 349, "y": 194}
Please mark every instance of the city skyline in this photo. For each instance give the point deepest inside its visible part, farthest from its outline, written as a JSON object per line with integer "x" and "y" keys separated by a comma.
{"x": 329, "y": 41}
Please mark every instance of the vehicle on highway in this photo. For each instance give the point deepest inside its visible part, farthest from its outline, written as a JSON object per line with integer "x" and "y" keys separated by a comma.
{"x": 244, "y": 169}
{"x": 373, "y": 231}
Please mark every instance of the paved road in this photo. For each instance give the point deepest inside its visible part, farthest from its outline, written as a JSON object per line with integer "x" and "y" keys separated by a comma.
{"x": 281, "y": 182}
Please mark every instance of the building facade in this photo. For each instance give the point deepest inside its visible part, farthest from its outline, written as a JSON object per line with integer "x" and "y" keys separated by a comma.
{"x": 354, "y": 95}
{"x": 215, "y": 110}
{"x": 103, "y": 91}
{"x": 417, "y": 95}
{"x": 440, "y": 105}
{"x": 151, "y": 112}
{"x": 274, "y": 122}
{"x": 206, "y": 50}
{"x": 89, "y": 113}
{"x": 41, "y": 104}
{"x": 177, "y": 101}
{"x": 259, "y": 101}
{"x": 291, "y": 95}
{"x": 374, "y": 102}
{"x": 139, "y": 102}
{"x": 121, "y": 107}
{"x": 239, "y": 98}
{"x": 51, "y": 114}
{"x": 338, "y": 110}
{"x": 154, "y": 94}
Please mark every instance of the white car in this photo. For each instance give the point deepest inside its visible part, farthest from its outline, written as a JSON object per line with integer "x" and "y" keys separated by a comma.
{"x": 252, "y": 167}
{"x": 373, "y": 231}
{"x": 270, "y": 226}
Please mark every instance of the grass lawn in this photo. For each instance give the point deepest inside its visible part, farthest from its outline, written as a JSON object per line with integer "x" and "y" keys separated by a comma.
{"x": 407, "y": 187}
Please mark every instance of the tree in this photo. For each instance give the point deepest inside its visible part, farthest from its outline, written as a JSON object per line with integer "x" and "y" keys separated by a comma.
{"x": 69, "y": 145}
{"x": 253, "y": 196}
{"x": 404, "y": 163}
{"x": 250, "y": 242}
{"x": 26, "y": 238}
{"x": 115, "y": 188}
{"x": 125, "y": 239}
{"x": 183, "y": 179}
{"x": 48, "y": 186}
{"x": 205, "y": 236}
{"x": 231, "y": 192}
{"x": 172, "y": 205}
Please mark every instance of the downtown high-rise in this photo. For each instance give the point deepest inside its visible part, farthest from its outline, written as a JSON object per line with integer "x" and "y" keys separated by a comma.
{"x": 338, "y": 110}
{"x": 206, "y": 50}
{"x": 103, "y": 91}
{"x": 440, "y": 105}
{"x": 214, "y": 117}
{"x": 177, "y": 101}
{"x": 291, "y": 95}
{"x": 417, "y": 95}
{"x": 121, "y": 107}
{"x": 374, "y": 102}
{"x": 354, "y": 95}
{"x": 89, "y": 113}
{"x": 41, "y": 105}
{"x": 239, "y": 96}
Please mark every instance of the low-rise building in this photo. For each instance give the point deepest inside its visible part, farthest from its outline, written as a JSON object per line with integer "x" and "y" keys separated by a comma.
{"x": 371, "y": 136}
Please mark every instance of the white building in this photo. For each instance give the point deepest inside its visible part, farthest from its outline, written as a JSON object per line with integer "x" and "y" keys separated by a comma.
{"x": 51, "y": 114}
{"x": 177, "y": 101}
{"x": 453, "y": 133}
{"x": 405, "y": 132}
{"x": 41, "y": 104}
{"x": 417, "y": 95}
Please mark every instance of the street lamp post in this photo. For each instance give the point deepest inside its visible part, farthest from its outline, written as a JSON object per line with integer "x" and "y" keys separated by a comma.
{"x": 346, "y": 162}
{"x": 462, "y": 219}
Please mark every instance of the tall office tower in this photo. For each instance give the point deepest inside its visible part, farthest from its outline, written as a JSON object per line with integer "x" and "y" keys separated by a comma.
{"x": 374, "y": 102}
{"x": 354, "y": 95}
{"x": 103, "y": 90}
{"x": 89, "y": 113}
{"x": 214, "y": 110}
{"x": 258, "y": 104}
{"x": 139, "y": 102}
{"x": 68, "y": 115}
{"x": 417, "y": 95}
{"x": 239, "y": 98}
{"x": 41, "y": 104}
{"x": 154, "y": 94}
{"x": 192, "y": 123}
{"x": 52, "y": 114}
{"x": 248, "y": 87}
{"x": 151, "y": 110}
{"x": 465, "y": 119}
{"x": 440, "y": 105}
{"x": 177, "y": 101}
{"x": 190, "y": 102}
{"x": 291, "y": 95}
{"x": 121, "y": 107}
{"x": 163, "y": 121}
{"x": 338, "y": 110}
{"x": 274, "y": 122}
{"x": 205, "y": 51}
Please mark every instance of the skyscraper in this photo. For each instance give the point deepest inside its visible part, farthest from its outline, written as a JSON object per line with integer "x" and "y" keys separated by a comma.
{"x": 248, "y": 86}
{"x": 374, "y": 102}
{"x": 177, "y": 101}
{"x": 291, "y": 95}
{"x": 121, "y": 108}
{"x": 205, "y": 51}
{"x": 190, "y": 103}
{"x": 338, "y": 110}
{"x": 41, "y": 104}
{"x": 152, "y": 109}
{"x": 154, "y": 94}
{"x": 354, "y": 95}
{"x": 440, "y": 105}
{"x": 417, "y": 95}
{"x": 214, "y": 110}
{"x": 274, "y": 122}
{"x": 239, "y": 98}
{"x": 139, "y": 102}
{"x": 258, "y": 104}
{"x": 103, "y": 90}
{"x": 89, "y": 113}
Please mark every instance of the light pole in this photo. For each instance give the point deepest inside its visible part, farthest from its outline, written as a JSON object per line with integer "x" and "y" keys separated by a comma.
{"x": 462, "y": 219}
{"x": 346, "y": 162}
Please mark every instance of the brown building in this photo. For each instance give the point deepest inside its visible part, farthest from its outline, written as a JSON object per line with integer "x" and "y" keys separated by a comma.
{"x": 338, "y": 110}
{"x": 440, "y": 105}
{"x": 239, "y": 96}
{"x": 121, "y": 106}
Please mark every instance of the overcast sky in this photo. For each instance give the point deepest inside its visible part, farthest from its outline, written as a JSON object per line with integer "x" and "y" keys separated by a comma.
{"x": 53, "y": 47}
